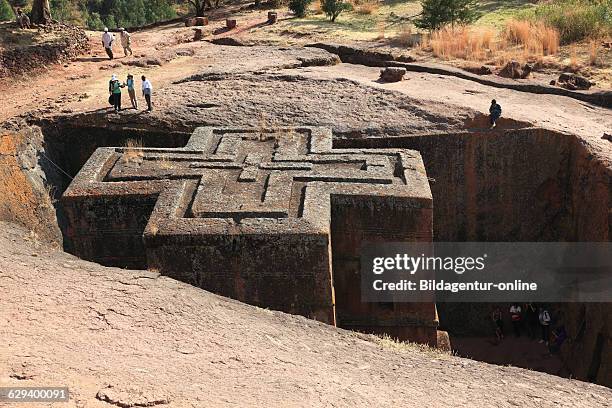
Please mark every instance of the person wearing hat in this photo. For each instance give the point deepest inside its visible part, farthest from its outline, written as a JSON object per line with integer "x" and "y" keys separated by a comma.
{"x": 107, "y": 42}
{"x": 22, "y": 19}
{"x": 131, "y": 90}
{"x": 114, "y": 88}
{"x": 126, "y": 41}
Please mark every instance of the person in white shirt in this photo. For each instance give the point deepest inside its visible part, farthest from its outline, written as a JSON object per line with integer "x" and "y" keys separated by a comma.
{"x": 126, "y": 41}
{"x": 147, "y": 90}
{"x": 107, "y": 42}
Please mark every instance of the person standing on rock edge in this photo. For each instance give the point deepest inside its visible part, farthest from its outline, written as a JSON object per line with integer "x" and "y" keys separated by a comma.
{"x": 126, "y": 41}
{"x": 147, "y": 90}
{"x": 107, "y": 42}
{"x": 131, "y": 90}
{"x": 515, "y": 316}
{"x": 114, "y": 88}
{"x": 495, "y": 112}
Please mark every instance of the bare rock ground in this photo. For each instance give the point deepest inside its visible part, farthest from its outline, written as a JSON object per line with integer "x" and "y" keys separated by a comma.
{"x": 133, "y": 338}
{"x": 275, "y": 99}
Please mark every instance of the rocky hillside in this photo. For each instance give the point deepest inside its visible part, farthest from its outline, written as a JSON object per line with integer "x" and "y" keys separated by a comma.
{"x": 133, "y": 338}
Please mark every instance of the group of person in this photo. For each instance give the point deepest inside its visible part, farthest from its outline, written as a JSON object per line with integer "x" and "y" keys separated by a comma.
{"x": 114, "y": 89}
{"x": 108, "y": 39}
{"x": 115, "y": 85}
{"x": 533, "y": 319}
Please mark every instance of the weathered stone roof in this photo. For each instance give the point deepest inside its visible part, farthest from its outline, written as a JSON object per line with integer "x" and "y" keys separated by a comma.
{"x": 252, "y": 181}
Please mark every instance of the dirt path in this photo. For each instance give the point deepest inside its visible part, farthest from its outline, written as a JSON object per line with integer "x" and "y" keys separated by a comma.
{"x": 133, "y": 338}
{"x": 82, "y": 85}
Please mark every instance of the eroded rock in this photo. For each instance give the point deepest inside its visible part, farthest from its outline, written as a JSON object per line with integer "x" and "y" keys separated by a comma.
{"x": 573, "y": 81}
{"x": 514, "y": 70}
{"x": 392, "y": 74}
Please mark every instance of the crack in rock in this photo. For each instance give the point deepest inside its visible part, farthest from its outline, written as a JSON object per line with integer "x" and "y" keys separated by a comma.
{"x": 131, "y": 397}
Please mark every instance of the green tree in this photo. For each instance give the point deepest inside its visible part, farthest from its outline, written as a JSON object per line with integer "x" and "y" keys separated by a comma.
{"x": 200, "y": 6}
{"x": 158, "y": 10}
{"x": 438, "y": 13}
{"x": 299, "y": 7}
{"x": 333, "y": 8}
{"x": 69, "y": 11}
{"x": 15, "y": 4}
{"x": 41, "y": 12}
{"x": 94, "y": 21}
{"x": 6, "y": 13}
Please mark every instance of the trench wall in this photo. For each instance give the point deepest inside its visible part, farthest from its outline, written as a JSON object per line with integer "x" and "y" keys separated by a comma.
{"x": 520, "y": 185}
{"x": 514, "y": 185}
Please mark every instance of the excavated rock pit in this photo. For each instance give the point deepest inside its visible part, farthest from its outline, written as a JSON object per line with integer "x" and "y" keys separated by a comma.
{"x": 513, "y": 184}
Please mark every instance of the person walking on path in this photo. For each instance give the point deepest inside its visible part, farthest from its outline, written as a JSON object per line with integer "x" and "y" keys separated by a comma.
{"x": 114, "y": 88}
{"x": 495, "y": 112}
{"x": 131, "y": 90}
{"x": 147, "y": 90}
{"x": 545, "y": 320}
{"x": 126, "y": 41}
{"x": 107, "y": 42}
{"x": 515, "y": 316}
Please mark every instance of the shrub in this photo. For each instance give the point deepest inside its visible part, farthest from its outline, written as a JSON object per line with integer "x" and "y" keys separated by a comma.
{"x": 333, "y": 8}
{"x": 438, "y": 13}
{"x": 575, "y": 19}
{"x": 299, "y": 7}
{"x": 6, "y": 13}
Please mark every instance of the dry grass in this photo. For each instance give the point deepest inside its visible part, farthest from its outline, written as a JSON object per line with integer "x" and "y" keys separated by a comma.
{"x": 391, "y": 343}
{"x": 367, "y": 7}
{"x": 315, "y": 7}
{"x": 536, "y": 38}
{"x": 574, "y": 63}
{"x": 474, "y": 44}
{"x": 132, "y": 151}
{"x": 521, "y": 41}
{"x": 381, "y": 28}
{"x": 405, "y": 37}
{"x": 165, "y": 163}
{"x": 267, "y": 126}
{"x": 593, "y": 53}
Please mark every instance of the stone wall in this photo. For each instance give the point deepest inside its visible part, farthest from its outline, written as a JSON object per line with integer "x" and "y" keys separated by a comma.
{"x": 520, "y": 185}
{"x": 26, "y": 193}
{"x": 354, "y": 224}
{"x": 68, "y": 44}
